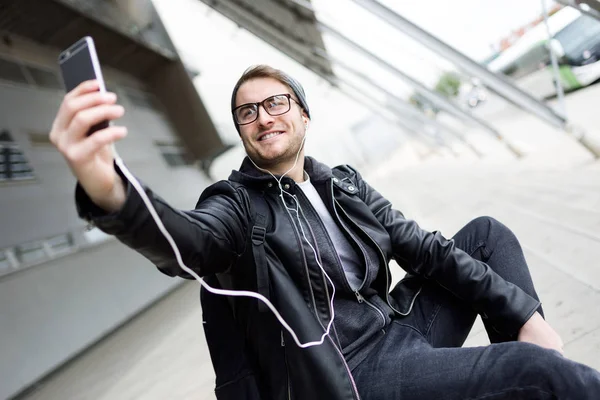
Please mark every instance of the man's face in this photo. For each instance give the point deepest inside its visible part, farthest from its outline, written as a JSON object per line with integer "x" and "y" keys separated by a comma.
{"x": 271, "y": 140}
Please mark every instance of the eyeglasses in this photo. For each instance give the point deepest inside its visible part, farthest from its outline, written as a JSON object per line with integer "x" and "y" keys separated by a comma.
{"x": 275, "y": 105}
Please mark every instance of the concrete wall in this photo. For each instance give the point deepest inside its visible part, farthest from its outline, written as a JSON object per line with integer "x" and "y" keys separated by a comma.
{"x": 51, "y": 311}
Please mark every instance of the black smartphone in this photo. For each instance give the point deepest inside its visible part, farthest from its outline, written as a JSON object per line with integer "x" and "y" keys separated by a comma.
{"x": 80, "y": 63}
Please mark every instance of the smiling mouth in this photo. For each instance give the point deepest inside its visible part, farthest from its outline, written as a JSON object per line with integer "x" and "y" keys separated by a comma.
{"x": 270, "y": 135}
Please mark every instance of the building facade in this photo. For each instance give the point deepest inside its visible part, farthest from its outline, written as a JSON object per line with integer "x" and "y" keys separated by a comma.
{"x": 64, "y": 286}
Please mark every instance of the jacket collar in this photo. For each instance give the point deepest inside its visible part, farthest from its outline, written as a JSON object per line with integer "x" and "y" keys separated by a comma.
{"x": 249, "y": 175}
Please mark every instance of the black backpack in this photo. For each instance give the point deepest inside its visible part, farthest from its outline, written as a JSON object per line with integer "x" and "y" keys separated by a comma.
{"x": 235, "y": 378}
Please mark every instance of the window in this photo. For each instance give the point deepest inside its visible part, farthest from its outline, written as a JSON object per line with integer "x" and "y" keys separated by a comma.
{"x": 577, "y": 37}
{"x": 13, "y": 164}
{"x": 5, "y": 264}
{"x": 44, "y": 78}
{"x": 174, "y": 154}
{"x": 35, "y": 252}
{"x": 30, "y": 252}
{"x": 16, "y": 71}
{"x": 11, "y": 71}
{"x": 534, "y": 59}
{"x": 60, "y": 244}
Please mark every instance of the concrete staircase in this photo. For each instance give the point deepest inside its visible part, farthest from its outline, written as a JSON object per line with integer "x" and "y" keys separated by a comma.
{"x": 554, "y": 213}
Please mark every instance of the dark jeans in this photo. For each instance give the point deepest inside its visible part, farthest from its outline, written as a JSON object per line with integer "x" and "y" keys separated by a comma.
{"x": 421, "y": 357}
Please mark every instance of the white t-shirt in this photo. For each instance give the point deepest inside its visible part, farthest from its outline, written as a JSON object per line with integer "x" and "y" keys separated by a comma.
{"x": 349, "y": 258}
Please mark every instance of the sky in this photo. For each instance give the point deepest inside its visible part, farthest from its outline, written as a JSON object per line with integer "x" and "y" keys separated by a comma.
{"x": 221, "y": 51}
{"x": 470, "y": 26}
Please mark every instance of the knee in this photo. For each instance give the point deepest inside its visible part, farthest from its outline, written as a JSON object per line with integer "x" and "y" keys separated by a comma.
{"x": 539, "y": 357}
{"x": 485, "y": 222}
{"x": 491, "y": 228}
{"x": 548, "y": 369}
{"x": 539, "y": 364}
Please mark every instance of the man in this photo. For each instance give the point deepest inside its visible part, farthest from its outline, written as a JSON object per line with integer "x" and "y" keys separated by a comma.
{"x": 327, "y": 224}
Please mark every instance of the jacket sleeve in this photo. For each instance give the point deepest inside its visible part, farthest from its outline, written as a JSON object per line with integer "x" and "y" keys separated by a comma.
{"x": 430, "y": 255}
{"x": 209, "y": 238}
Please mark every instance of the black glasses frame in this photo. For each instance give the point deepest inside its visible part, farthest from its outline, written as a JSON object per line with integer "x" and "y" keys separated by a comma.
{"x": 262, "y": 103}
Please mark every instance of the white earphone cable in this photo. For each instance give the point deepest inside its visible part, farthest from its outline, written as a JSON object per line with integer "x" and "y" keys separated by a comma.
{"x": 240, "y": 293}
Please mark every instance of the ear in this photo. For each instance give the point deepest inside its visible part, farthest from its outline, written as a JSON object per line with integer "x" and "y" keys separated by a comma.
{"x": 304, "y": 115}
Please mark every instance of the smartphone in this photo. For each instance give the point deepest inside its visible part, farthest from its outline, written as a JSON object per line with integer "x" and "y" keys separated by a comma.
{"x": 80, "y": 63}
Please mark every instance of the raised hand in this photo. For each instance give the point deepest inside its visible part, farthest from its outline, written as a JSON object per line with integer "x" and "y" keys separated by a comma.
{"x": 91, "y": 157}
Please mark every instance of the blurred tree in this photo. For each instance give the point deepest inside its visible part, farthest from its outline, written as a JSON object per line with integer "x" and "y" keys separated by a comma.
{"x": 448, "y": 84}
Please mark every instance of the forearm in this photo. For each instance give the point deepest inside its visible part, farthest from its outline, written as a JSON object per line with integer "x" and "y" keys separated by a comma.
{"x": 205, "y": 244}
{"x": 432, "y": 256}
{"x": 115, "y": 201}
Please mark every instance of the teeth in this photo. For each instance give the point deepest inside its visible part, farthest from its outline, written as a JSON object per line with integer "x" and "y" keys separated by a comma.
{"x": 270, "y": 135}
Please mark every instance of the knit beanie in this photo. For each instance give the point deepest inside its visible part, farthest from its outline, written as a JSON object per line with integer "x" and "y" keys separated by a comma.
{"x": 289, "y": 81}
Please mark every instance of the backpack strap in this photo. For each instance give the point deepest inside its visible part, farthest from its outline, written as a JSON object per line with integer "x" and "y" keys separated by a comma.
{"x": 259, "y": 230}
{"x": 235, "y": 377}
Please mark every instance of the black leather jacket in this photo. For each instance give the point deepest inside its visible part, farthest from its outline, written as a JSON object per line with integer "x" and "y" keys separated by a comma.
{"x": 216, "y": 237}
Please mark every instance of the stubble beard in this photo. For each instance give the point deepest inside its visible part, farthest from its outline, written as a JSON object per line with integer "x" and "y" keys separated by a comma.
{"x": 288, "y": 156}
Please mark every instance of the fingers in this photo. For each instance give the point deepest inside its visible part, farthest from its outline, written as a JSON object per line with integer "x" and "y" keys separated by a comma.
{"x": 72, "y": 104}
{"x": 82, "y": 108}
{"x": 85, "y": 150}
{"x": 85, "y": 101}
{"x": 83, "y": 88}
{"x": 81, "y": 123}
{"x": 85, "y": 119}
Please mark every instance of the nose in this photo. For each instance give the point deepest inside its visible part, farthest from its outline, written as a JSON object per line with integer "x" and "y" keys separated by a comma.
{"x": 264, "y": 118}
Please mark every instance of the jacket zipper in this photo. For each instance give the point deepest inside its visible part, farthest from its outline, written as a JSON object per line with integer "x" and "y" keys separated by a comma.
{"x": 301, "y": 247}
{"x": 329, "y": 336}
{"x": 314, "y": 243}
{"x": 356, "y": 292}
{"x": 364, "y": 252}
{"x": 361, "y": 299}
{"x": 357, "y": 243}
{"x": 325, "y": 282}
{"x": 337, "y": 257}
{"x": 315, "y": 305}
{"x": 287, "y": 368}
{"x": 385, "y": 262}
